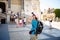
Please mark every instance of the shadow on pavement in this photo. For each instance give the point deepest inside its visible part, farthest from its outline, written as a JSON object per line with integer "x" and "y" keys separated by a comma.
{"x": 51, "y": 34}
{"x": 53, "y": 38}
{"x": 4, "y": 34}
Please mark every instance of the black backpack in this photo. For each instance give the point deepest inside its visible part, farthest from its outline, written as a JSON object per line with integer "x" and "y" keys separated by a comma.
{"x": 39, "y": 27}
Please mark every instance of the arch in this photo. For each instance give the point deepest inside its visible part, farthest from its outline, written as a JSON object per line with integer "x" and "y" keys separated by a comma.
{"x": 3, "y": 7}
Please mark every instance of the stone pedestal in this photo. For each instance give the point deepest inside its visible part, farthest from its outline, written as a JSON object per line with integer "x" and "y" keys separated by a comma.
{"x": 8, "y": 16}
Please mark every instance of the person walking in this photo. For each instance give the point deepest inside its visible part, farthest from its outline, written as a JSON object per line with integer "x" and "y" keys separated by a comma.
{"x": 16, "y": 20}
{"x": 33, "y": 35}
{"x": 20, "y": 22}
{"x": 24, "y": 21}
{"x": 36, "y": 28}
{"x": 50, "y": 22}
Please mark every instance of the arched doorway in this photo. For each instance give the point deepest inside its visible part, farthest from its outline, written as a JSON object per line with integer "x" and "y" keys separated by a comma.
{"x": 2, "y": 12}
{"x": 3, "y": 7}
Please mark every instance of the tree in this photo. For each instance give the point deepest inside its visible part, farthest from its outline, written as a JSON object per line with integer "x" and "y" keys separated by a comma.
{"x": 57, "y": 12}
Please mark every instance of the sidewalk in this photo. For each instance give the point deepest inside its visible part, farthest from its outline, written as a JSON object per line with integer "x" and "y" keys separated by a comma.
{"x": 54, "y": 24}
{"x": 23, "y": 33}
{"x": 4, "y": 33}
{"x": 10, "y": 32}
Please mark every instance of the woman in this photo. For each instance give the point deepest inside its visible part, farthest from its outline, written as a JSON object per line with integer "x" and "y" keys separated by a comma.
{"x": 33, "y": 29}
{"x": 20, "y": 22}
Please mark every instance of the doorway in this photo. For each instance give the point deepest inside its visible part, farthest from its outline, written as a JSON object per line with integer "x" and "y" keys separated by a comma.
{"x": 3, "y": 7}
{"x": 3, "y": 10}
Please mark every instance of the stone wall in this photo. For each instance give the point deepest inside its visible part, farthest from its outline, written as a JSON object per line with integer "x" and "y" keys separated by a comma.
{"x": 16, "y": 5}
{"x": 47, "y": 16}
{"x": 32, "y": 6}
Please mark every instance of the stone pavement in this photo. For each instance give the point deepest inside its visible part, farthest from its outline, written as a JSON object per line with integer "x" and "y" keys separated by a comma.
{"x": 10, "y": 32}
{"x": 54, "y": 24}
{"x": 4, "y": 33}
{"x": 22, "y": 33}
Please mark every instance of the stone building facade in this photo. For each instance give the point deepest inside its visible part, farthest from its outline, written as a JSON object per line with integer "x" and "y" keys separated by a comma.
{"x": 48, "y": 14}
{"x": 25, "y": 7}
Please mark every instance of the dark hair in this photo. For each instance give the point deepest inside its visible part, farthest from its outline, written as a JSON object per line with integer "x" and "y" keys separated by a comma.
{"x": 36, "y": 18}
{"x": 33, "y": 14}
{"x": 50, "y": 20}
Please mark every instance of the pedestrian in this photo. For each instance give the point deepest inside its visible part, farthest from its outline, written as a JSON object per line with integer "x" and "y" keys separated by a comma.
{"x": 11, "y": 17}
{"x": 18, "y": 14}
{"x": 50, "y": 22}
{"x": 24, "y": 21}
{"x": 33, "y": 29}
{"x": 20, "y": 22}
{"x": 16, "y": 20}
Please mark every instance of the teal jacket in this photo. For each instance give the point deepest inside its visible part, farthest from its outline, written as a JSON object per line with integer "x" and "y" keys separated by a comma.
{"x": 34, "y": 25}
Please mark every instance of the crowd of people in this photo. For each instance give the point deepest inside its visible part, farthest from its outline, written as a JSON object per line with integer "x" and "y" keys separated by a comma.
{"x": 18, "y": 19}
